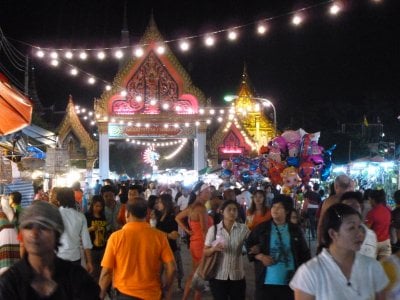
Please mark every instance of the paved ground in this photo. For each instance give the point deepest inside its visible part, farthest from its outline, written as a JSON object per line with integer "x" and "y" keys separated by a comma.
{"x": 249, "y": 269}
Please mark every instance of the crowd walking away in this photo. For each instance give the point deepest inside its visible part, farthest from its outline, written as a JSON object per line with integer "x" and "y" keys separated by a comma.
{"x": 130, "y": 240}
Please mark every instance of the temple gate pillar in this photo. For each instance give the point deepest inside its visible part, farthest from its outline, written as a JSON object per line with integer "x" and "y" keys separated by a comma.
{"x": 104, "y": 151}
{"x": 200, "y": 155}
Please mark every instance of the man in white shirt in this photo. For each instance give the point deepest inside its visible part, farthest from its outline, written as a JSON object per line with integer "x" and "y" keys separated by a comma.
{"x": 75, "y": 231}
{"x": 183, "y": 200}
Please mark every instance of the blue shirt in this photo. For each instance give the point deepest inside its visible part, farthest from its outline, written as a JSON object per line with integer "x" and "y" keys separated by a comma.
{"x": 280, "y": 251}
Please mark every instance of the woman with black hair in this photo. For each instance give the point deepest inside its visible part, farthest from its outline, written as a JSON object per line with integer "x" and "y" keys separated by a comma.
{"x": 166, "y": 223}
{"x": 228, "y": 239}
{"x": 339, "y": 271}
{"x": 378, "y": 219}
{"x": 277, "y": 248}
{"x": 97, "y": 227}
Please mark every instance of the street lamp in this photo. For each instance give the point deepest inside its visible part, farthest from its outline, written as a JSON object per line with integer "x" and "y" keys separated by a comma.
{"x": 266, "y": 102}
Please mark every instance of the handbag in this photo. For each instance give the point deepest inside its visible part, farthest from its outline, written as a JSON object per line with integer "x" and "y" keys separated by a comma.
{"x": 208, "y": 265}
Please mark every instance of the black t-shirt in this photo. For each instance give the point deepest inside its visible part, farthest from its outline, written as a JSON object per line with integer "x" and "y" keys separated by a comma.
{"x": 73, "y": 282}
{"x": 99, "y": 236}
{"x": 168, "y": 225}
{"x": 396, "y": 218}
{"x": 313, "y": 197}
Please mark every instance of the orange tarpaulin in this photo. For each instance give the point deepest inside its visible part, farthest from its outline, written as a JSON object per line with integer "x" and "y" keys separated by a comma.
{"x": 15, "y": 109}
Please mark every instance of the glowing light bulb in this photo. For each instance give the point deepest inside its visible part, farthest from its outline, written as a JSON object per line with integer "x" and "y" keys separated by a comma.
{"x": 138, "y": 98}
{"x": 91, "y": 80}
{"x": 124, "y": 93}
{"x": 335, "y": 9}
{"x": 166, "y": 125}
{"x": 232, "y": 35}
{"x": 40, "y": 54}
{"x": 101, "y": 55}
{"x": 69, "y": 55}
{"x": 119, "y": 54}
{"x": 208, "y": 121}
{"x": 197, "y": 123}
{"x": 139, "y": 52}
{"x": 54, "y": 62}
{"x": 108, "y": 87}
{"x": 184, "y": 45}
{"x": 212, "y": 111}
{"x": 176, "y": 125}
{"x": 165, "y": 106}
{"x": 201, "y": 111}
{"x": 83, "y": 55}
{"x": 262, "y": 28}
{"x": 153, "y": 102}
{"x": 160, "y": 50}
{"x": 187, "y": 124}
{"x": 220, "y": 119}
{"x": 74, "y": 72}
{"x": 297, "y": 20}
{"x": 54, "y": 55}
{"x": 210, "y": 41}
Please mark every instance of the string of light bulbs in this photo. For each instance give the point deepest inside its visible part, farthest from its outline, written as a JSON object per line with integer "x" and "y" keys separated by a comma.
{"x": 62, "y": 55}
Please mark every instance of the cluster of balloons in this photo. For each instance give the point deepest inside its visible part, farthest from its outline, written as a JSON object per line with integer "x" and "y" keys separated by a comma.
{"x": 288, "y": 160}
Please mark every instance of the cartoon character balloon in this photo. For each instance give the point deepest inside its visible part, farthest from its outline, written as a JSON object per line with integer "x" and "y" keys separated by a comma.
{"x": 274, "y": 172}
{"x": 291, "y": 180}
{"x": 306, "y": 171}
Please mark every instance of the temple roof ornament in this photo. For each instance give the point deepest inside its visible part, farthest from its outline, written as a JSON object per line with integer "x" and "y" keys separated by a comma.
{"x": 255, "y": 128}
{"x": 72, "y": 124}
{"x": 149, "y": 76}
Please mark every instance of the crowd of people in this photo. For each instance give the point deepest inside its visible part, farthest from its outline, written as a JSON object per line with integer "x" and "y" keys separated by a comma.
{"x": 124, "y": 242}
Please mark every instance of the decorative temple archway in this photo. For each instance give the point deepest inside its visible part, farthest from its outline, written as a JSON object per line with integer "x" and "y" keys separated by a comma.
{"x": 152, "y": 97}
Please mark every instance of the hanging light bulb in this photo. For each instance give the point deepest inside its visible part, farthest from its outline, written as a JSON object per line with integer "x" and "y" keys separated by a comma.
{"x": 69, "y": 55}
{"x": 119, "y": 54}
{"x": 40, "y": 54}
{"x": 160, "y": 49}
{"x": 232, "y": 35}
{"x": 139, "y": 52}
{"x": 262, "y": 28}
{"x": 123, "y": 93}
{"x": 108, "y": 87}
{"x": 74, "y": 72}
{"x": 209, "y": 41}
{"x": 101, "y": 55}
{"x": 83, "y": 55}
{"x": 184, "y": 45}
{"x": 297, "y": 20}
{"x": 335, "y": 8}
{"x": 54, "y": 62}
{"x": 91, "y": 80}
{"x": 54, "y": 55}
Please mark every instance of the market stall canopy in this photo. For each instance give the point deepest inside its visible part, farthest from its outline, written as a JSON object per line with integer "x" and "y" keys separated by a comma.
{"x": 15, "y": 108}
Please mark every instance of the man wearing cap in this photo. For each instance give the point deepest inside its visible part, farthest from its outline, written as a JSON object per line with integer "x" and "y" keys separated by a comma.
{"x": 134, "y": 256}
{"x": 40, "y": 274}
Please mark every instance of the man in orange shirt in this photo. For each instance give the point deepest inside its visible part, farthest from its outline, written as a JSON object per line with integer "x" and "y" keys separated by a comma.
{"x": 133, "y": 255}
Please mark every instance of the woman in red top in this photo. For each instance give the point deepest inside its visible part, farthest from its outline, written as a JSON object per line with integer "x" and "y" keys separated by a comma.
{"x": 378, "y": 219}
{"x": 258, "y": 211}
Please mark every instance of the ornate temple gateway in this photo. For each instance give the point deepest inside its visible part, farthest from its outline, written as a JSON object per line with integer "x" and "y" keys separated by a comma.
{"x": 153, "y": 98}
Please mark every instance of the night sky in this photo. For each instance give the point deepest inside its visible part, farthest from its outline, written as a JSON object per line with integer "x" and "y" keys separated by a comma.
{"x": 342, "y": 59}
